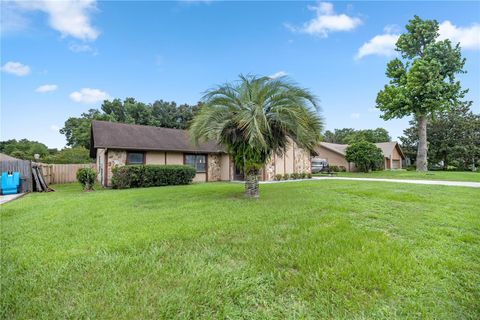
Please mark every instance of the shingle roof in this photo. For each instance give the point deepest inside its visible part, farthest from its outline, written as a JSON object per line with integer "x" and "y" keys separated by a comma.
{"x": 338, "y": 148}
{"x": 116, "y": 135}
{"x": 6, "y": 157}
{"x": 386, "y": 147}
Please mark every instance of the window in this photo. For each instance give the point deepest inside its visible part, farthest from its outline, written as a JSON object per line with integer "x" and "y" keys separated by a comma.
{"x": 135, "y": 158}
{"x": 198, "y": 161}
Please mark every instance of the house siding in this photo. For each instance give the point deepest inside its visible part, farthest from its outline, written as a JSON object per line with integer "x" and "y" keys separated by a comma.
{"x": 279, "y": 164}
{"x": 225, "y": 166}
{"x": 396, "y": 157}
{"x": 155, "y": 157}
{"x": 100, "y": 164}
{"x": 175, "y": 157}
{"x": 333, "y": 158}
{"x": 219, "y": 165}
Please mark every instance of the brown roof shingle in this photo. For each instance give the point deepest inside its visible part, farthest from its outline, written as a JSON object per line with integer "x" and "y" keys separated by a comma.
{"x": 116, "y": 135}
{"x": 386, "y": 147}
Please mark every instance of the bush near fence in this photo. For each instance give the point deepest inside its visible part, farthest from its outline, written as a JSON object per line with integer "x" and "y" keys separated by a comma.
{"x": 62, "y": 173}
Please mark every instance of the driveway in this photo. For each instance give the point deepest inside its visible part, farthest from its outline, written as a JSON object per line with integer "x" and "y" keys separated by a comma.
{"x": 431, "y": 182}
{"x": 10, "y": 197}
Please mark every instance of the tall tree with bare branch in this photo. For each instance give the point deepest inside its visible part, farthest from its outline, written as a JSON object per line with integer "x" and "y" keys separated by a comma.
{"x": 423, "y": 81}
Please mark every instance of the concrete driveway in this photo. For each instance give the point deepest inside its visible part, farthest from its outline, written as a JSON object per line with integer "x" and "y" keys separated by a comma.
{"x": 10, "y": 197}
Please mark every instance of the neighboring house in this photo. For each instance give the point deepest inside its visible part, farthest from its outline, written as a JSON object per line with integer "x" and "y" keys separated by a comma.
{"x": 6, "y": 157}
{"x": 335, "y": 155}
{"x": 117, "y": 144}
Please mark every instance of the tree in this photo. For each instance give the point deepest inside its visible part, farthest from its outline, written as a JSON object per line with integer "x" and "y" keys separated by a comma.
{"x": 255, "y": 118}
{"x": 424, "y": 81}
{"x": 77, "y": 130}
{"x": 23, "y": 149}
{"x": 366, "y": 155}
{"x": 349, "y": 135}
{"x": 338, "y": 135}
{"x": 160, "y": 114}
{"x": 69, "y": 155}
{"x": 169, "y": 115}
{"x": 454, "y": 137}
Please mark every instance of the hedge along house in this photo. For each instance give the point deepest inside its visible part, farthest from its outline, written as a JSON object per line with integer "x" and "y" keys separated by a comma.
{"x": 116, "y": 144}
{"x": 335, "y": 155}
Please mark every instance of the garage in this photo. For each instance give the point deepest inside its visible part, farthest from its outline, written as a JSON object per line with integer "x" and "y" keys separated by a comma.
{"x": 396, "y": 164}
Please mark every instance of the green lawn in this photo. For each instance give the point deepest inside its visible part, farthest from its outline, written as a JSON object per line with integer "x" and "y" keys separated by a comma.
{"x": 304, "y": 250}
{"x": 403, "y": 174}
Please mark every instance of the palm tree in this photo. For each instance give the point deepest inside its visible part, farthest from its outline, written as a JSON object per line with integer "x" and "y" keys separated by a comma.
{"x": 256, "y": 117}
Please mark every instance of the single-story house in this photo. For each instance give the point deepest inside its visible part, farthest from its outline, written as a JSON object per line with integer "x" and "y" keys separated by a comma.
{"x": 335, "y": 155}
{"x": 117, "y": 144}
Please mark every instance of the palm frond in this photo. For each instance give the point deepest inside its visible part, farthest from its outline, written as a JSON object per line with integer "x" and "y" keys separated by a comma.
{"x": 258, "y": 116}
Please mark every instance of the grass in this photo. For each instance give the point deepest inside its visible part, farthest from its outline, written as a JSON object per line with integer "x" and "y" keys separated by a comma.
{"x": 307, "y": 250}
{"x": 403, "y": 174}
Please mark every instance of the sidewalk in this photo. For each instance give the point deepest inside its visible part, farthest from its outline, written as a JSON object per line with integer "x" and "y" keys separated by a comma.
{"x": 430, "y": 182}
{"x": 10, "y": 197}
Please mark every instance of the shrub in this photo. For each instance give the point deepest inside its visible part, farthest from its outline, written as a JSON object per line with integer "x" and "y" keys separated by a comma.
{"x": 294, "y": 176}
{"x": 286, "y": 176}
{"x": 141, "y": 176}
{"x": 86, "y": 177}
{"x": 278, "y": 177}
{"x": 366, "y": 155}
{"x": 334, "y": 168}
{"x": 303, "y": 175}
{"x": 309, "y": 175}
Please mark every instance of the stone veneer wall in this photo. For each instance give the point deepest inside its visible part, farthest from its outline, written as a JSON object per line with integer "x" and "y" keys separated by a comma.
{"x": 302, "y": 160}
{"x": 116, "y": 158}
{"x": 214, "y": 167}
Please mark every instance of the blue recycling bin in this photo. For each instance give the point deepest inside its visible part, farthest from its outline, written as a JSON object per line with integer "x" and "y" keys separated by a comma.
{"x": 10, "y": 182}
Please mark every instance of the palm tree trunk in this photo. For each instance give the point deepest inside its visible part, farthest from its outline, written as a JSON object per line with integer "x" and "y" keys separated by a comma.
{"x": 251, "y": 184}
{"x": 422, "y": 144}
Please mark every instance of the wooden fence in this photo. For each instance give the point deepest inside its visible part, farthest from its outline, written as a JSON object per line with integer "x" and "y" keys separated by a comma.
{"x": 25, "y": 169}
{"x": 62, "y": 173}
{"x": 52, "y": 173}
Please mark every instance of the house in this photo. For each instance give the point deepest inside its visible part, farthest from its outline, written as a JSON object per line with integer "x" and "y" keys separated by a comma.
{"x": 116, "y": 144}
{"x": 335, "y": 155}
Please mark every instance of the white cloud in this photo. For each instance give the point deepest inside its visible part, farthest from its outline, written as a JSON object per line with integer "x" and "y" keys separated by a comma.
{"x": 469, "y": 37}
{"x": 278, "y": 74}
{"x": 392, "y": 29}
{"x": 384, "y": 44}
{"x": 381, "y": 45}
{"x": 54, "y": 128}
{"x": 355, "y": 115}
{"x": 16, "y": 68}
{"x": 12, "y": 18}
{"x": 372, "y": 109}
{"x": 69, "y": 17}
{"x": 46, "y": 88}
{"x": 88, "y": 95}
{"x": 75, "y": 47}
{"x": 326, "y": 21}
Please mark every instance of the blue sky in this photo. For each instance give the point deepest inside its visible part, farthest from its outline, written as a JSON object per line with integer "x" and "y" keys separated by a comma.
{"x": 60, "y": 59}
